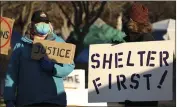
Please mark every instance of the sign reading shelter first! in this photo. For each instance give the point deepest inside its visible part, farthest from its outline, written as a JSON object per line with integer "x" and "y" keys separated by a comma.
{"x": 56, "y": 51}
{"x": 139, "y": 71}
{"x": 5, "y": 34}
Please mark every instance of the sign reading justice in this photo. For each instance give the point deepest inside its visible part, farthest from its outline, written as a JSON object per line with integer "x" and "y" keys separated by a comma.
{"x": 57, "y": 52}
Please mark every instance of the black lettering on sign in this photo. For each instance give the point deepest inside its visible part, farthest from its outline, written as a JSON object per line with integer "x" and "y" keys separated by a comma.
{"x": 164, "y": 58}
{"x": 128, "y": 59}
{"x": 95, "y": 60}
{"x": 162, "y": 79}
{"x": 109, "y": 61}
{"x": 149, "y": 58}
{"x": 77, "y": 79}
{"x": 119, "y": 83}
{"x": 49, "y": 48}
{"x": 74, "y": 78}
{"x": 152, "y": 58}
{"x": 67, "y": 53}
{"x": 147, "y": 76}
{"x": 96, "y": 85}
{"x": 110, "y": 78}
{"x": 141, "y": 53}
{"x": 58, "y": 51}
{"x": 4, "y": 34}
{"x": 54, "y": 48}
{"x": 70, "y": 78}
{"x": 117, "y": 60}
{"x": 61, "y": 52}
{"x": 43, "y": 50}
{"x": 133, "y": 80}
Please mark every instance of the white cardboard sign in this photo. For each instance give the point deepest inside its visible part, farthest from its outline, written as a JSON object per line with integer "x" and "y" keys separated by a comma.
{"x": 75, "y": 80}
{"x": 139, "y": 71}
{"x": 79, "y": 97}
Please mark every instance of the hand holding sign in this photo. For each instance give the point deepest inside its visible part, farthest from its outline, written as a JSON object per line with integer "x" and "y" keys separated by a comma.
{"x": 57, "y": 52}
{"x": 46, "y": 64}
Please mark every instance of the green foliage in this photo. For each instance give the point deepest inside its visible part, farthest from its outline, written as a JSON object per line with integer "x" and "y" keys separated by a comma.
{"x": 103, "y": 34}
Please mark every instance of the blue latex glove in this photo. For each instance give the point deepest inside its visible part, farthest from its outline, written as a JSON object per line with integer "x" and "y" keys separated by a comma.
{"x": 47, "y": 64}
{"x": 10, "y": 104}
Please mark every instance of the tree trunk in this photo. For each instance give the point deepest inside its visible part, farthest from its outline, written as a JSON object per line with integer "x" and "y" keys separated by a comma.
{"x": 2, "y": 10}
{"x": 28, "y": 18}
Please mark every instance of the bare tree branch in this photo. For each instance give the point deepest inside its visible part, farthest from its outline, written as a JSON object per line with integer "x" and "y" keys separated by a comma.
{"x": 83, "y": 8}
{"x": 3, "y": 3}
{"x": 76, "y": 14}
{"x": 66, "y": 15}
{"x": 86, "y": 8}
{"x": 100, "y": 10}
{"x": 80, "y": 13}
{"x": 2, "y": 11}
{"x": 23, "y": 13}
{"x": 65, "y": 29}
{"x": 28, "y": 18}
{"x": 2, "y": 8}
{"x": 94, "y": 5}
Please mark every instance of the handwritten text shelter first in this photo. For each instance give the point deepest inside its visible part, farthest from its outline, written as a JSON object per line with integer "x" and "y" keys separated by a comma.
{"x": 131, "y": 71}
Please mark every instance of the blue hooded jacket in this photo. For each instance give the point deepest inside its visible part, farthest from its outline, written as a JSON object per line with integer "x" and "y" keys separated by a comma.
{"x": 27, "y": 83}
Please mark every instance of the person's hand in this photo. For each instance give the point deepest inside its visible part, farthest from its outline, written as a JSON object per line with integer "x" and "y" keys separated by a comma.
{"x": 10, "y": 104}
{"x": 46, "y": 64}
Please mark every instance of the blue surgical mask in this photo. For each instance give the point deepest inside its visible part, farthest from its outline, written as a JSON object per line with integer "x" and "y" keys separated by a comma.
{"x": 42, "y": 28}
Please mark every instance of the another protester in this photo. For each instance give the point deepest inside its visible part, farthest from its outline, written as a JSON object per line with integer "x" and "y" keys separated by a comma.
{"x": 138, "y": 28}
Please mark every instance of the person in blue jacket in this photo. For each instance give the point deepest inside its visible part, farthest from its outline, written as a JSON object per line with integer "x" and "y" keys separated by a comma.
{"x": 31, "y": 82}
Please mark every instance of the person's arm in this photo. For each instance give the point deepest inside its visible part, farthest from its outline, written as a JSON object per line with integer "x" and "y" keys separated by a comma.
{"x": 11, "y": 76}
{"x": 56, "y": 69}
{"x": 63, "y": 70}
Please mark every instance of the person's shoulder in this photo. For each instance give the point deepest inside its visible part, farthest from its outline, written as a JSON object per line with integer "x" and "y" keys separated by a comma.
{"x": 148, "y": 37}
{"x": 17, "y": 44}
{"x": 58, "y": 38}
{"x": 17, "y": 47}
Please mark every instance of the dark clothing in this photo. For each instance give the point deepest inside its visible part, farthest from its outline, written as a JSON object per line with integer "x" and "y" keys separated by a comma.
{"x": 141, "y": 104}
{"x": 44, "y": 105}
{"x": 137, "y": 37}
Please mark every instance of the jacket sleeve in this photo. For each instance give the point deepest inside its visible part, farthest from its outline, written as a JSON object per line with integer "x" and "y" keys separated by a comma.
{"x": 11, "y": 80}
{"x": 62, "y": 70}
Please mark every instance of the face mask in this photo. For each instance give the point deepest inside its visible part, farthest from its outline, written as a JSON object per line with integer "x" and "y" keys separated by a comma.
{"x": 42, "y": 28}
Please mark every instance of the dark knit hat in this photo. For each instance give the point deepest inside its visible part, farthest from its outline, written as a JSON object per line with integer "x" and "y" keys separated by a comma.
{"x": 40, "y": 16}
{"x": 139, "y": 13}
